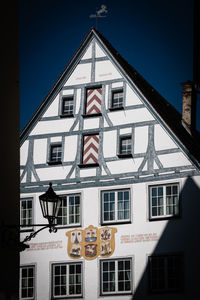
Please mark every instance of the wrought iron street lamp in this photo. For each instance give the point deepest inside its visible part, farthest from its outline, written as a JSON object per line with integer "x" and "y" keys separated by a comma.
{"x": 50, "y": 204}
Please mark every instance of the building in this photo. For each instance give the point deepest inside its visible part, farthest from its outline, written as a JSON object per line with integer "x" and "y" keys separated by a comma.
{"x": 126, "y": 165}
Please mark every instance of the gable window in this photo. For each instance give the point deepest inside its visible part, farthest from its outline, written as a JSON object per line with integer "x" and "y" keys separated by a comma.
{"x": 67, "y": 280}
{"x": 125, "y": 146}
{"x": 27, "y": 282}
{"x": 69, "y": 211}
{"x": 90, "y": 150}
{"x": 55, "y": 156}
{"x": 116, "y": 276}
{"x": 165, "y": 273}
{"x": 117, "y": 100}
{"x": 164, "y": 200}
{"x": 115, "y": 206}
{"x": 26, "y": 212}
{"x": 67, "y": 106}
{"x": 93, "y": 101}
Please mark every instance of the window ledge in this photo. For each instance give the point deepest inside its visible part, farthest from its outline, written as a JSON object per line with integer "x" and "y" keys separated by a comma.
{"x": 67, "y": 116}
{"x": 54, "y": 162}
{"x": 88, "y": 165}
{"x": 125, "y": 155}
{"x": 163, "y": 218}
{"x": 116, "y": 223}
{"x": 91, "y": 115}
{"x": 116, "y": 108}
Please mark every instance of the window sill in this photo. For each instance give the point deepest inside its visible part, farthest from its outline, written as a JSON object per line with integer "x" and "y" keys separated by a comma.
{"x": 67, "y": 116}
{"x": 88, "y": 165}
{"x": 59, "y": 162}
{"x": 116, "y": 223}
{"x": 125, "y": 155}
{"x": 116, "y": 108}
{"x": 91, "y": 115}
{"x": 163, "y": 218}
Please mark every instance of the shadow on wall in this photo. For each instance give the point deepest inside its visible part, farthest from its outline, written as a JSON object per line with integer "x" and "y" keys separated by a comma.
{"x": 181, "y": 236}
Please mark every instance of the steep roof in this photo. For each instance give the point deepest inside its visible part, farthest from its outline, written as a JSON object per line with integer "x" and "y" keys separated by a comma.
{"x": 163, "y": 109}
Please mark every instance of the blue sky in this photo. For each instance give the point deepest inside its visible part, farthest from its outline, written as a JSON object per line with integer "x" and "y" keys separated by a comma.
{"x": 154, "y": 36}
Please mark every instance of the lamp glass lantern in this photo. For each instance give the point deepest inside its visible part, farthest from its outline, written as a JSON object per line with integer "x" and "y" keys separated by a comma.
{"x": 50, "y": 204}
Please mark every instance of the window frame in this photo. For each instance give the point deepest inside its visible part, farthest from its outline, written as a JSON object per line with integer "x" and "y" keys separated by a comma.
{"x": 68, "y": 225}
{"x": 116, "y": 219}
{"x": 63, "y": 99}
{"x": 55, "y": 162}
{"x": 34, "y": 282}
{"x": 85, "y": 114}
{"x": 164, "y": 215}
{"x": 67, "y": 264}
{"x": 115, "y": 91}
{"x": 166, "y": 288}
{"x": 116, "y": 292}
{"x": 26, "y": 227}
{"x": 121, "y": 138}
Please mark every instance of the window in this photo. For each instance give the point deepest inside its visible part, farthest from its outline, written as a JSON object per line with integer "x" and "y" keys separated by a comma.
{"x": 117, "y": 99}
{"x": 164, "y": 201}
{"x": 67, "y": 280}
{"x": 125, "y": 147}
{"x": 67, "y": 106}
{"x": 27, "y": 282}
{"x": 116, "y": 206}
{"x": 26, "y": 212}
{"x": 116, "y": 276}
{"x": 55, "y": 154}
{"x": 165, "y": 273}
{"x": 69, "y": 211}
{"x": 90, "y": 150}
{"x": 93, "y": 101}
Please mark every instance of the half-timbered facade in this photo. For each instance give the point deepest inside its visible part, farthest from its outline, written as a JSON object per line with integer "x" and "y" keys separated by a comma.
{"x": 125, "y": 167}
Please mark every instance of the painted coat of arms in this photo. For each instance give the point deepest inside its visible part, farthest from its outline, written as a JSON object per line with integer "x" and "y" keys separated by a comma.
{"x": 91, "y": 242}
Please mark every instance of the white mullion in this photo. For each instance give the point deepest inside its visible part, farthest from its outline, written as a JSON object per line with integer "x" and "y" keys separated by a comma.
{"x": 164, "y": 200}
{"x": 67, "y": 279}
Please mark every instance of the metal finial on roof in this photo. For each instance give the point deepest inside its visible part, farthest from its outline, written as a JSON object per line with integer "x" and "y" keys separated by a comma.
{"x": 101, "y": 13}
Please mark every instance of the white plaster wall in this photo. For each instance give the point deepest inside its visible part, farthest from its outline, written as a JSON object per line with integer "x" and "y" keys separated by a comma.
{"x": 98, "y": 51}
{"x": 40, "y": 151}
{"x": 125, "y": 130}
{"x": 81, "y": 74}
{"x": 131, "y": 97}
{"x": 130, "y": 116}
{"x": 52, "y": 110}
{"x": 128, "y": 165}
{"x": 88, "y": 53}
{"x": 53, "y": 126}
{"x": 91, "y": 123}
{"x": 78, "y": 101}
{"x": 67, "y": 92}
{"x": 141, "y": 139}
{"x": 117, "y": 84}
{"x": 110, "y": 143}
{"x": 162, "y": 139}
{"x": 105, "y": 70}
{"x": 53, "y": 173}
{"x": 70, "y": 143}
{"x": 24, "y": 153}
{"x": 88, "y": 172}
{"x": 174, "y": 159}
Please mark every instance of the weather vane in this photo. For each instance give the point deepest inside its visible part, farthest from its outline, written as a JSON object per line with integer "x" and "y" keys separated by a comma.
{"x": 101, "y": 13}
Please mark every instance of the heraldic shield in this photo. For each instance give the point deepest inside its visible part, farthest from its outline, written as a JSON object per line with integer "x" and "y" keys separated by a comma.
{"x": 91, "y": 242}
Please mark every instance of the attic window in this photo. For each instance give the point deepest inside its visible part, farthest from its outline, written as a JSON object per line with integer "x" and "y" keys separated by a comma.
{"x": 93, "y": 102}
{"x": 117, "y": 101}
{"x": 125, "y": 146}
{"x": 67, "y": 106}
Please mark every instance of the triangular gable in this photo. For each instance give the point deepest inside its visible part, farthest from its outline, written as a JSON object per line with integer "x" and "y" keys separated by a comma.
{"x": 77, "y": 72}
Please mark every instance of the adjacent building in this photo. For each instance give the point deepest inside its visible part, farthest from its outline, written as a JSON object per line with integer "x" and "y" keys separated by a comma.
{"x": 126, "y": 165}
